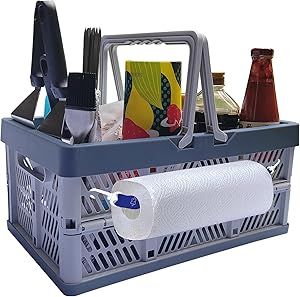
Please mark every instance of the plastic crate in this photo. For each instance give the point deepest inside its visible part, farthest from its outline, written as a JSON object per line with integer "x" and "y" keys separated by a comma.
{"x": 68, "y": 229}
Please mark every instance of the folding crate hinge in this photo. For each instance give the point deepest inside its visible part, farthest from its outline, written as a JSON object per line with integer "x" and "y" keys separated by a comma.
{"x": 96, "y": 224}
{"x": 281, "y": 186}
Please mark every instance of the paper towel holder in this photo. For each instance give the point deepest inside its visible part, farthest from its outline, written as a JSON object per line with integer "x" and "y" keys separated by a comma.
{"x": 199, "y": 63}
{"x": 119, "y": 199}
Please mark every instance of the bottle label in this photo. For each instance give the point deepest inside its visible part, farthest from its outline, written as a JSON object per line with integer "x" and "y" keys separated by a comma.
{"x": 245, "y": 124}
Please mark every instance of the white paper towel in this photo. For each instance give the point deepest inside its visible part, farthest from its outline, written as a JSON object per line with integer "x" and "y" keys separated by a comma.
{"x": 182, "y": 200}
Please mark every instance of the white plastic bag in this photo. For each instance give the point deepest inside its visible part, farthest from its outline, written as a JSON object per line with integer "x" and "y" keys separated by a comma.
{"x": 111, "y": 116}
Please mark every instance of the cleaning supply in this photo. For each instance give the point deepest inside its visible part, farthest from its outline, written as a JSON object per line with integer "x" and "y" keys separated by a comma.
{"x": 152, "y": 100}
{"x": 80, "y": 110}
{"x": 177, "y": 201}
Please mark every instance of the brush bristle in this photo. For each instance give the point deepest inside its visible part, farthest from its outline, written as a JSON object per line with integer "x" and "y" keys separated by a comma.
{"x": 81, "y": 91}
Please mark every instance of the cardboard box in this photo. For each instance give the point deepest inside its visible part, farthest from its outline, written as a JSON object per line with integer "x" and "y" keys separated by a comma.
{"x": 153, "y": 104}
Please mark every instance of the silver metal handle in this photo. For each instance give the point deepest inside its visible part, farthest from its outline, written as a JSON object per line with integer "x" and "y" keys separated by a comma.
{"x": 199, "y": 63}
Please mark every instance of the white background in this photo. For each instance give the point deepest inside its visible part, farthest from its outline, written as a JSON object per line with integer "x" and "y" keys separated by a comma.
{"x": 269, "y": 267}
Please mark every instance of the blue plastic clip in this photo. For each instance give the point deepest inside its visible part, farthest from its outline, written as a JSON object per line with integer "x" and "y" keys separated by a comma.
{"x": 127, "y": 201}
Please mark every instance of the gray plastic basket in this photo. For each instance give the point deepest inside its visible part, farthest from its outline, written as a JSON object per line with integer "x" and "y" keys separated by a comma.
{"x": 67, "y": 228}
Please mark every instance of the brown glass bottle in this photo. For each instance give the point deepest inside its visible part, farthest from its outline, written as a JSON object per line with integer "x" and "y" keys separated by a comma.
{"x": 260, "y": 105}
{"x": 227, "y": 109}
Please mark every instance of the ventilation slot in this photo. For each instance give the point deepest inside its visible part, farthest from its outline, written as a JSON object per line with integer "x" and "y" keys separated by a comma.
{"x": 103, "y": 239}
{"x": 104, "y": 181}
{"x": 243, "y": 224}
{"x": 169, "y": 243}
{"x": 181, "y": 240}
{"x": 188, "y": 238}
{"x": 199, "y": 236}
{"x": 86, "y": 243}
{"x": 254, "y": 222}
{"x": 217, "y": 231}
{"x": 191, "y": 238}
{"x": 91, "y": 202}
{"x": 95, "y": 263}
{"x": 205, "y": 234}
{"x": 25, "y": 201}
{"x": 86, "y": 265}
{"x": 271, "y": 156}
{"x": 259, "y": 221}
{"x": 111, "y": 237}
{"x": 111, "y": 259}
{"x": 275, "y": 217}
{"x": 127, "y": 254}
{"x": 86, "y": 205}
{"x": 278, "y": 170}
{"x": 162, "y": 245}
{"x": 25, "y": 220}
{"x": 265, "y": 156}
{"x": 103, "y": 261}
{"x": 270, "y": 217}
{"x": 264, "y": 220}
{"x": 50, "y": 226}
{"x": 211, "y": 233}
{"x": 98, "y": 250}
{"x": 276, "y": 199}
{"x": 94, "y": 204}
{"x": 95, "y": 241}
{"x": 222, "y": 230}
{"x": 55, "y": 183}
{"x": 119, "y": 256}
{"x": 134, "y": 251}
{"x": 248, "y": 223}
{"x": 175, "y": 242}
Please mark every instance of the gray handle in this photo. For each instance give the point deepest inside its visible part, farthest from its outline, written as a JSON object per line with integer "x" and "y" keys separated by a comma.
{"x": 199, "y": 63}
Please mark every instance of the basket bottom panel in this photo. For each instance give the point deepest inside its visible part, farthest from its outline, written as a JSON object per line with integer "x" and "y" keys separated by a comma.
{"x": 109, "y": 277}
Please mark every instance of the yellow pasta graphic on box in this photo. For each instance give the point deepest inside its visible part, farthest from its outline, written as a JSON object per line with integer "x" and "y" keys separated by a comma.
{"x": 153, "y": 103}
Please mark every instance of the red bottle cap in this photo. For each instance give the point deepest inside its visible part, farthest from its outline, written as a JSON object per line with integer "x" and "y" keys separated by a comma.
{"x": 255, "y": 52}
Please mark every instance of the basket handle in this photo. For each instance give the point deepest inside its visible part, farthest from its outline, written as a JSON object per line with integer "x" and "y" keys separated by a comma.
{"x": 199, "y": 63}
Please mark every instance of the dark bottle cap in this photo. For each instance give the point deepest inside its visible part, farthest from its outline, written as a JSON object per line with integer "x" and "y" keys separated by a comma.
{"x": 81, "y": 91}
{"x": 218, "y": 78}
{"x": 255, "y": 52}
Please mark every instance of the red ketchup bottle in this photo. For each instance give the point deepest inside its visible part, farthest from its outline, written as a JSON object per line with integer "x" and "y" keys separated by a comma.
{"x": 260, "y": 105}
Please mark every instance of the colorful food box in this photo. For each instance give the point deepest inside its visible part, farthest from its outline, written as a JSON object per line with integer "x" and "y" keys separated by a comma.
{"x": 152, "y": 100}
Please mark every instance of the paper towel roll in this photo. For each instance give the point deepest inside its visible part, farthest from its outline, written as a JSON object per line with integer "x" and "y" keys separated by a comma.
{"x": 182, "y": 200}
